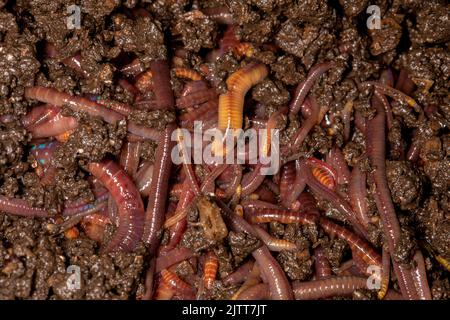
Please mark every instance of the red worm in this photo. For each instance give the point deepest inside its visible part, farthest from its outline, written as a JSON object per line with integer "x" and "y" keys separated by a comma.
{"x": 51, "y": 124}
{"x": 338, "y": 202}
{"x": 305, "y": 86}
{"x": 128, "y": 87}
{"x": 235, "y": 182}
{"x": 404, "y": 83}
{"x": 357, "y": 191}
{"x": 287, "y": 178}
{"x": 144, "y": 178}
{"x": 194, "y": 87}
{"x": 129, "y": 157}
{"x": 201, "y": 111}
{"x": 325, "y": 288}
{"x": 172, "y": 257}
{"x": 274, "y": 244}
{"x": 340, "y": 165}
{"x": 39, "y": 115}
{"x": 308, "y": 124}
{"x": 128, "y": 201}
{"x": 149, "y": 278}
{"x": 420, "y": 277}
{"x": 187, "y": 166}
{"x": 154, "y": 216}
{"x": 239, "y": 275}
{"x": 176, "y": 233}
{"x": 220, "y": 15}
{"x": 162, "y": 86}
{"x": 359, "y": 247}
{"x": 54, "y": 97}
{"x": 257, "y": 292}
{"x": 210, "y": 269}
{"x": 176, "y": 284}
{"x": 186, "y": 198}
{"x": 252, "y": 180}
{"x": 279, "y": 286}
{"x": 322, "y": 265}
{"x": 20, "y": 207}
{"x": 196, "y": 98}
{"x": 117, "y": 106}
{"x": 208, "y": 184}
{"x": 376, "y": 149}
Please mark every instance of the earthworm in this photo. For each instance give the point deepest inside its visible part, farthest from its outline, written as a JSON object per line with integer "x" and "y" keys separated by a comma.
{"x": 53, "y": 125}
{"x": 176, "y": 233}
{"x": 129, "y": 157}
{"x": 161, "y": 84}
{"x": 395, "y": 94}
{"x": 335, "y": 199}
{"x": 20, "y": 207}
{"x": 172, "y": 257}
{"x": 208, "y": 184}
{"x": 272, "y": 124}
{"x": 231, "y": 103}
{"x": 149, "y": 278}
{"x": 325, "y": 288}
{"x": 322, "y": 265}
{"x": 279, "y": 286}
{"x": 306, "y": 203}
{"x": 359, "y": 247}
{"x": 257, "y": 292}
{"x": 178, "y": 285}
{"x": 83, "y": 208}
{"x": 39, "y": 115}
{"x": 54, "y": 97}
{"x": 128, "y": 201}
{"x": 235, "y": 183}
{"x": 253, "y": 278}
{"x": 117, "y": 106}
{"x": 340, "y": 165}
{"x": 265, "y": 194}
{"x": 113, "y": 211}
{"x": 305, "y": 86}
{"x": 386, "y": 78}
{"x": 357, "y": 191}
{"x": 220, "y": 15}
{"x": 386, "y": 272}
{"x": 128, "y": 87}
{"x": 210, "y": 269}
{"x": 251, "y": 204}
{"x": 420, "y": 276}
{"x": 187, "y": 74}
{"x": 187, "y": 166}
{"x": 196, "y": 98}
{"x": 308, "y": 124}
{"x": 360, "y": 122}
{"x": 143, "y": 131}
{"x": 376, "y": 150}
{"x": 202, "y": 110}
{"x": 274, "y": 244}
{"x": 186, "y": 198}
{"x": 154, "y": 216}
{"x": 252, "y": 180}
{"x": 413, "y": 152}
{"x": 393, "y": 295}
{"x": 144, "y": 177}
{"x": 239, "y": 275}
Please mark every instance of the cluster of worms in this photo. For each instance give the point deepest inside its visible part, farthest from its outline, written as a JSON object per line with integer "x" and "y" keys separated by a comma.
{"x": 133, "y": 195}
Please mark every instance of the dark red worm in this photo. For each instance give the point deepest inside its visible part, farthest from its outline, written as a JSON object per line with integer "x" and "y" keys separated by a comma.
{"x": 287, "y": 178}
{"x": 322, "y": 265}
{"x": 154, "y": 216}
{"x": 133, "y": 68}
{"x": 172, "y": 257}
{"x": 161, "y": 84}
{"x": 128, "y": 201}
{"x": 51, "y": 124}
{"x": 340, "y": 165}
{"x": 194, "y": 87}
{"x": 54, "y": 97}
{"x": 273, "y": 243}
{"x": 257, "y": 292}
{"x": 280, "y": 288}
{"x": 144, "y": 177}
{"x": 404, "y": 83}
{"x": 376, "y": 149}
{"x": 420, "y": 277}
{"x": 325, "y": 288}
{"x": 239, "y": 275}
{"x": 305, "y": 86}
{"x": 359, "y": 247}
{"x": 357, "y": 191}
{"x": 20, "y": 207}
{"x": 129, "y": 157}
{"x": 196, "y": 98}
{"x": 308, "y": 124}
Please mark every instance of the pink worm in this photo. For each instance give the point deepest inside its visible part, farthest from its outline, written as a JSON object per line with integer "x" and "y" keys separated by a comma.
{"x": 20, "y": 207}
{"x": 128, "y": 201}
{"x": 325, "y": 288}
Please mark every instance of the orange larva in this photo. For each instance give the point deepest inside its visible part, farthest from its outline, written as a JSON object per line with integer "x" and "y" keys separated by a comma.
{"x": 210, "y": 269}
{"x": 324, "y": 173}
{"x": 187, "y": 74}
{"x": 174, "y": 282}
